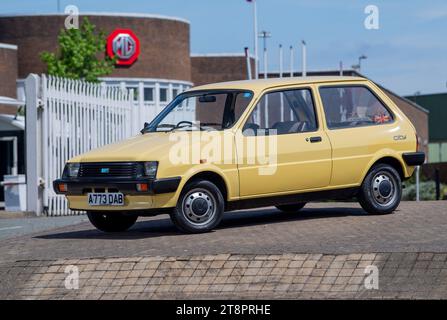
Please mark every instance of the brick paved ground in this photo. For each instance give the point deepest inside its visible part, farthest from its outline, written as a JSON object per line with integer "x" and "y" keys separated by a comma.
{"x": 292, "y": 276}
{"x": 319, "y": 253}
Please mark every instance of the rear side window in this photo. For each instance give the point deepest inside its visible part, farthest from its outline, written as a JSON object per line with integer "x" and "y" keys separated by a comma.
{"x": 352, "y": 106}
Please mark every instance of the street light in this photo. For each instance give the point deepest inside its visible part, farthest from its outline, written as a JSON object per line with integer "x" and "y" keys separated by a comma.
{"x": 303, "y": 59}
{"x": 359, "y": 65}
{"x": 264, "y": 35}
{"x": 255, "y": 36}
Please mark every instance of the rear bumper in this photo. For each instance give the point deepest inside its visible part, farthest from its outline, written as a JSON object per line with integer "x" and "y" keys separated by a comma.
{"x": 128, "y": 187}
{"x": 414, "y": 158}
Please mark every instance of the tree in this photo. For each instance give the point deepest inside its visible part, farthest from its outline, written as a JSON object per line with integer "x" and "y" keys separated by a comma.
{"x": 78, "y": 56}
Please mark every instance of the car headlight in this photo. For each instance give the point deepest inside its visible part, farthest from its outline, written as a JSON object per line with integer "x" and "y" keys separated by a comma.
{"x": 150, "y": 169}
{"x": 71, "y": 170}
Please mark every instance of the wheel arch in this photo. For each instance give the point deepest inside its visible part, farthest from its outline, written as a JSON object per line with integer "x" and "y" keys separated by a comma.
{"x": 213, "y": 177}
{"x": 390, "y": 160}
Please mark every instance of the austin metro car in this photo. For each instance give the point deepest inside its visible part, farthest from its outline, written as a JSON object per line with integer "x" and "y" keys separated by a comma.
{"x": 326, "y": 138}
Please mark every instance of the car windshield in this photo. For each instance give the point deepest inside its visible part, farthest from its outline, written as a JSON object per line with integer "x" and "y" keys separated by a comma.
{"x": 202, "y": 110}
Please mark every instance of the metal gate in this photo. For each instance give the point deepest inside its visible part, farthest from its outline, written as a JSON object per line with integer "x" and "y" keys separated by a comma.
{"x": 65, "y": 118}
{"x": 78, "y": 116}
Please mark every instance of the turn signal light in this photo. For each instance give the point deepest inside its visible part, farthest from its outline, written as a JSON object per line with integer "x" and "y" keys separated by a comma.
{"x": 142, "y": 187}
{"x": 62, "y": 187}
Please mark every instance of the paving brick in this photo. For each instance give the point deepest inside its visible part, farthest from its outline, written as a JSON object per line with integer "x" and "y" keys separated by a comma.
{"x": 265, "y": 268}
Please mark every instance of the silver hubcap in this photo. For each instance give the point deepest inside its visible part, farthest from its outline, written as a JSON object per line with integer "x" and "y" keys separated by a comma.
{"x": 383, "y": 189}
{"x": 199, "y": 206}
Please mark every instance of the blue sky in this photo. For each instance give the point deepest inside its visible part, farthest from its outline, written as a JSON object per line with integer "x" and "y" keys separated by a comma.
{"x": 408, "y": 52}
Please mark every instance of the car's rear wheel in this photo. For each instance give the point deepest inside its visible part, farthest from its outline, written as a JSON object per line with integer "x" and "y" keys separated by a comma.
{"x": 290, "y": 208}
{"x": 111, "y": 221}
{"x": 381, "y": 191}
{"x": 200, "y": 207}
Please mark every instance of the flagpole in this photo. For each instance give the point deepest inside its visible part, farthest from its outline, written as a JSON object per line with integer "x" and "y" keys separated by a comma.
{"x": 255, "y": 29}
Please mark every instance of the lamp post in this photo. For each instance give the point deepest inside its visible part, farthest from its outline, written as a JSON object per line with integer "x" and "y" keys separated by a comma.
{"x": 304, "y": 58}
{"x": 359, "y": 65}
{"x": 291, "y": 61}
{"x": 280, "y": 60}
{"x": 362, "y": 57}
{"x": 264, "y": 35}
{"x": 255, "y": 36}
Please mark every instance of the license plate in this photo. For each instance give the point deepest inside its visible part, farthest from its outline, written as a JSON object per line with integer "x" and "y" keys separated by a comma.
{"x": 106, "y": 199}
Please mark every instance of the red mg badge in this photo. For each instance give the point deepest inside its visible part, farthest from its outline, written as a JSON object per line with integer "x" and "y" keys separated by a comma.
{"x": 123, "y": 45}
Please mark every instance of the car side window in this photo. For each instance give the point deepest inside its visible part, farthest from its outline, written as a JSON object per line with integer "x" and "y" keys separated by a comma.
{"x": 352, "y": 106}
{"x": 282, "y": 112}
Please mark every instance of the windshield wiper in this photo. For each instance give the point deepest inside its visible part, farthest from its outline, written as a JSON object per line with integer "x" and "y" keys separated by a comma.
{"x": 186, "y": 125}
{"x": 203, "y": 126}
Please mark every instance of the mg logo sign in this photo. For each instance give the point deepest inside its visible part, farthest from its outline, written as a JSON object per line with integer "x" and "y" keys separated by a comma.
{"x": 123, "y": 45}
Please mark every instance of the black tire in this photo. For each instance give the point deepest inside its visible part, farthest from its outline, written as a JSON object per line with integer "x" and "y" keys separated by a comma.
{"x": 111, "y": 221}
{"x": 381, "y": 191}
{"x": 289, "y": 208}
{"x": 200, "y": 207}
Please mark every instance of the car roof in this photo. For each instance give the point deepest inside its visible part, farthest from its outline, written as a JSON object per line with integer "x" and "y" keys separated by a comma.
{"x": 262, "y": 84}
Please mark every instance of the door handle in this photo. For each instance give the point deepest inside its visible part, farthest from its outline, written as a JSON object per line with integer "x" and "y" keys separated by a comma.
{"x": 315, "y": 139}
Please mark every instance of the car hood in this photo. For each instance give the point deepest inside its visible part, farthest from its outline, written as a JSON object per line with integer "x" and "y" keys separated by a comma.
{"x": 143, "y": 147}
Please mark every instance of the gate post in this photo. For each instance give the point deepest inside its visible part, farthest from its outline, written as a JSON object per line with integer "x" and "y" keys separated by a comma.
{"x": 33, "y": 145}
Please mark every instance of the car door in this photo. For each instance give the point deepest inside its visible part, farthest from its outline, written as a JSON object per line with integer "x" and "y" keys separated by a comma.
{"x": 359, "y": 125}
{"x": 282, "y": 147}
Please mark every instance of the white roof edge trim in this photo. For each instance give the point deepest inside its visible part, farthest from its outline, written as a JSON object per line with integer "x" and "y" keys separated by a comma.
{"x": 16, "y": 121}
{"x": 107, "y": 14}
{"x": 8, "y": 46}
{"x": 216, "y": 55}
{"x": 161, "y": 81}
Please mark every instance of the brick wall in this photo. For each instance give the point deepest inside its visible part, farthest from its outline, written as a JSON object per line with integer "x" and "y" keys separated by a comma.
{"x": 8, "y": 71}
{"x": 210, "y": 69}
{"x": 164, "y": 43}
{"x": 428, "y": 170}
{"x": 8, "y": 76}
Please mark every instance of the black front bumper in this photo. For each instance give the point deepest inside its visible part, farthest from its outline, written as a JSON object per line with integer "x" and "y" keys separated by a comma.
{"x": 414, "y": 158}
{"x": 126, "y": 186}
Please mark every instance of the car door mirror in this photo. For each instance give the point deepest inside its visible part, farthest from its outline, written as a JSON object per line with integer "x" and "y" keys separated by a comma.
{"x": 144, "y": 127}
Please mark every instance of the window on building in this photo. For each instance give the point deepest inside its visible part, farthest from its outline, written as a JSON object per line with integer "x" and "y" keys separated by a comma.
{"x": 174, "y": 93}
{"x": 283, "y": 112}
{"x": 163, "y": 95}
{"x": 352, "y": 106}
{"x": 135, "y": 92}
{"x": 437, "y": 152}
{"x": 148, "y": 94}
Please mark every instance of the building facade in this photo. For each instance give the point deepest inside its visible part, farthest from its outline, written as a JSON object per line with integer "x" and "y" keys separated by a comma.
{"x": 436, "y": 104}
{"x": 8, "y": 75}
{"x": 163, "y": 66}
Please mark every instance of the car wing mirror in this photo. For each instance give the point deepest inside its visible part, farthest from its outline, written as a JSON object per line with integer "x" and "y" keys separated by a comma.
{"x": 144, "y": 127}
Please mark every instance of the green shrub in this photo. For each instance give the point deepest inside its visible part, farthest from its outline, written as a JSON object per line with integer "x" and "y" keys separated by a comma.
{"x": 427, "y": 191}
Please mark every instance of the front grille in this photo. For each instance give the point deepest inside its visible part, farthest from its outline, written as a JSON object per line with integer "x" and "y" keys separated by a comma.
{"x": 110, "y": 169}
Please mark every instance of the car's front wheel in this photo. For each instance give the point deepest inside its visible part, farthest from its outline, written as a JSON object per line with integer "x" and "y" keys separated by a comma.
{"x": 381, "y": 191}
{"x": 111, "y": 221}
{"x": 200, "y": 207}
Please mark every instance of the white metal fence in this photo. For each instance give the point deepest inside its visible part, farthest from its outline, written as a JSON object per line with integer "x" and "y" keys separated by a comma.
{"x": 78, "y": 116}
{"x": 65, "y": 118}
